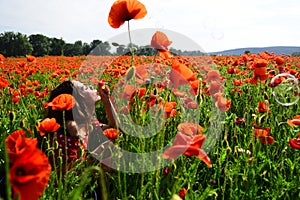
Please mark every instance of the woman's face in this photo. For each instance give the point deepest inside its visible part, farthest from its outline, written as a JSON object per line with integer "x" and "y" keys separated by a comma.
{"x": 89, "y": 94}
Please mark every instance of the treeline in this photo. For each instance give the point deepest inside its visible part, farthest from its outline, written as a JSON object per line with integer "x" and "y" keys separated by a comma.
{"x": 18, "y": 44}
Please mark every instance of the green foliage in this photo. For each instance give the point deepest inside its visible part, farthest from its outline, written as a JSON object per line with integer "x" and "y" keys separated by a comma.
{"x": 14, "y": 44}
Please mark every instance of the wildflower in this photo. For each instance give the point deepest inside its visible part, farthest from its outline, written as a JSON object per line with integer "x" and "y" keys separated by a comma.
{"x": 239, "y": 120}
{"x": 188, "y": 146}
{"x": 160, "y": 42}
{"x": 263, "y": 107}
{"x": 238, "y": 90}
{"x": 62, "y": 102}
{"x": 230, "y": 70}
{"x": 30, "y": 173}
{"x": 30, "y": 58}
{"x": 295, "y": 142}
{"x": 276, "y": 81}
{"x": 237, "y": 82}
{"x": 111, "y": 133}
{"x": 214, "y": 87}
{"x": 125, "y": 10}
{"x": 223, "y": 104}
{"x": 2, "y": 58}
{"x": 169, "y": 109}
{"x": 15, "y": 145}
{"x": 182, "y": 193}
{"x": 260, "y": 71}
{"x": 47, "y": 126}
{"x": 259, "y": 63}
{"x": 180, "y": 74}
{"x": 3, "y": 83}
{"x": 279, "y": 60}
{"x": 30, "y": 168}
{"x": 190, "y": 128}
{"x": 263, "y": 135}
{"x": 295, "y": 121}
{"x": 213, "y": 75}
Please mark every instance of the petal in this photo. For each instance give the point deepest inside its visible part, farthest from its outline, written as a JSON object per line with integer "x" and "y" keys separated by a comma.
{"x": 199, "y": 153}
{"x": 174, "y": 151}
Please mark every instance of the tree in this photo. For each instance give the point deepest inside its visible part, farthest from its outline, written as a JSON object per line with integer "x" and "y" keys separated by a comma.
{"x": 120, "y": 50}
{"x": 73, "y": 49}
{"x": 40, "y": 44}
{"x": 78, "y": 48}
{"x": 56, "y": 46}
{"x": 86, "y": 48}
{"x": 100, "y": 48}
{"x": 14, "y": 44}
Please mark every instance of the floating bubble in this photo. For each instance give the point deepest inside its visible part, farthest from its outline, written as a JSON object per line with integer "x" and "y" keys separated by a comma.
{"x": 285, "y": 89}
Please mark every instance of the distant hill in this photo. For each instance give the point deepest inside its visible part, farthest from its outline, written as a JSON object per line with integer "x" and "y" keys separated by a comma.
{"x": 286, "y": 50}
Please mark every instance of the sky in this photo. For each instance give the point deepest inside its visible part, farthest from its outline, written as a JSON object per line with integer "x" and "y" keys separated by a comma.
{"x": 212, "y": 25}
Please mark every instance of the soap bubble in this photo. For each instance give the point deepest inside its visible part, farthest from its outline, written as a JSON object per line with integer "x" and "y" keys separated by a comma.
{"x": 285, "y": 89}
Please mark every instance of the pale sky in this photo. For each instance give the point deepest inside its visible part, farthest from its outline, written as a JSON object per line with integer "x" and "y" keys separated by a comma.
{"x": 214, "y": 25}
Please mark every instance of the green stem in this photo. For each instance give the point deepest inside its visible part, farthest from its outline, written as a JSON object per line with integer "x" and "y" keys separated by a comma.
{"x": 7, "y": 182}
{"x": 66, "y": 142}
{"x": 131, "y": 46}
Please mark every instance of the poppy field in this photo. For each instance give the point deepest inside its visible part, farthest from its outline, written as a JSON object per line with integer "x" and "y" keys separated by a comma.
{"x": 255, "y": 156}
{"x": 186, "y": 127}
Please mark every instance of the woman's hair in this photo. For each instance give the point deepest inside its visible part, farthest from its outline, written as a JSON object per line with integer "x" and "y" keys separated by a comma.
{"x": 82, "y": 112}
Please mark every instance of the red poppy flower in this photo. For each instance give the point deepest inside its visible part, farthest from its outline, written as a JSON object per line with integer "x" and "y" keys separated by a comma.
{"x": 181, "y": 74}
{"x": 295, "y": 143}
{"x": 16, "y": 143}
{"x": 29, "y": 174}
{"x": 213, "y": 75}
{"x": 169, "y": 106}
{"x": 230, "y": 70}
{"x": 47, "y": 126}
{"x": 125, "y": 10}
{"x": 263, "y": 107}
{"x": 169, "y": 109}
{"x": 30, "y": 58}
{"x": 182, "y": 193}
{"x": 188, "y": 146}
{"x": 239, "y": 120}
{"x": 223, "y": 104}
{"x": 62, "y": 102}
{"x": 260, "y": 63}
{"x": 111, "y": 133}
{"x": 2, "y": 58}
{"x": 263, "y": 135}
{"x": 279, "y": 60}
{"x": 275, "y": 82}
{"x": 237, "y": 82}
{"x": 160, "y": 41}
{"x": 267, "y": 140}
{"x": 295, "y": 121}
{"x": 3, "y": 83}
{"x": 165, "y": 54}
{"x": 261, "y": 132}
{"x": 214, "y": 87}
{"x": 261, "y": 73}
{"x": 190, "y": 128}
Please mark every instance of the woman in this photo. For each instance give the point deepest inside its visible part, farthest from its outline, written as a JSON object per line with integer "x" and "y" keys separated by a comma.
{"x": 77, "y": 125}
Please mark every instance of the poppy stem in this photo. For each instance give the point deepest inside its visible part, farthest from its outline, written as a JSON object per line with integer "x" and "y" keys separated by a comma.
{"x": 131, "y": 46}
{"x": 7, "y": 181}
{"x": 66, "y": 140}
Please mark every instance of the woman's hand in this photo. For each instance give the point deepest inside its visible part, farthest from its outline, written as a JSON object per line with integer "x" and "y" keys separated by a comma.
{"x": 103, "y": 90}
{"x": 104, "y": 93}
